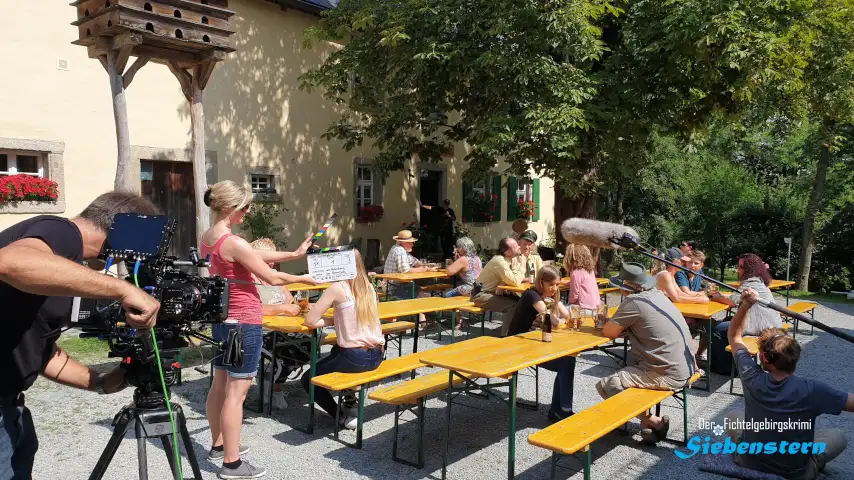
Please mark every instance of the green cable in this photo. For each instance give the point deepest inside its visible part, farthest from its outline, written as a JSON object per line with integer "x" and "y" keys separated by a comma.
{"x": 163, "y": 384}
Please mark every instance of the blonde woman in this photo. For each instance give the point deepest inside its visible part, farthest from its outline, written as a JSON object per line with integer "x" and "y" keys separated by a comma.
{"x": 233, "y": 258}
{"x": 360, "y": 338}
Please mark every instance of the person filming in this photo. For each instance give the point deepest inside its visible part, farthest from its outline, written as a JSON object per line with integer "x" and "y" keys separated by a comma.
{"x": 41, "y": 271}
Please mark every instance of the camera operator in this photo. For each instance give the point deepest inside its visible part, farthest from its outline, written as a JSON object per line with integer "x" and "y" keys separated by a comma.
{"x": 40, "y": 272}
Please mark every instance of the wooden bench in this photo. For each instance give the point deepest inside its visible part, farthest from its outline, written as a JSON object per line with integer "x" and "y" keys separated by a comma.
{"x": 339, "y": 382}
{"x": 801, "y": 307}
{"x": 579, "y": 431}
{"x": 406, "y": 395}
{"x": 393, "y": 328}
{"x": 436, "y": 288}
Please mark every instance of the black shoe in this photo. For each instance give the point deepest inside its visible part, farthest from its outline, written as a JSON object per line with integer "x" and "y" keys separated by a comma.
{"x": 554, "y": 417}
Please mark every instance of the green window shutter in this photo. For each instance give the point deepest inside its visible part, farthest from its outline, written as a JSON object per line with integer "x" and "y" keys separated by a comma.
{"x": 537, "y": 199}
{"x": 512, "y": 207}
{"x": 496, "y": 206}
{"x": 467, "y": 206}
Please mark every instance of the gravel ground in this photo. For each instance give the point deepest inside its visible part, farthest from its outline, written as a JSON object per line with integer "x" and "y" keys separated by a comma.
{"x": 74, "y": 427}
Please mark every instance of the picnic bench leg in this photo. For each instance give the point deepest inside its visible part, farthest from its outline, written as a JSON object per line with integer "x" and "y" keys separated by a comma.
{"x": 812, "y": 327}
{"x": 589, "y": 463}
{"x": 421, "y": 419}
{"x": 709, "y": 356}
{"x": 338, "y": 414}
{"x": 362, "y": 392}
{"x": 511, "y": 439}
{"x": 482, "y": 323}
{"x": 396, "y": 429}
{"x": 685, "y": 415}
{"x": 415, "y": 340}
{"x": 453, "y": 324}
{"x": 731, "y": 376}
{"x": 313, "y": 369}
{"x": 795, "y": 329}
{"x": 448, "y": 424}
{"x": 553, "y": 474}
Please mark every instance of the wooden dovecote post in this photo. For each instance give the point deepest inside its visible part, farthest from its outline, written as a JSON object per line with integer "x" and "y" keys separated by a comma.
{"x": 188, "y": 36}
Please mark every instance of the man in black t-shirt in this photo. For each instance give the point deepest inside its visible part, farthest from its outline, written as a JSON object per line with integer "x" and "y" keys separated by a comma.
{"x": 40, "y": 272}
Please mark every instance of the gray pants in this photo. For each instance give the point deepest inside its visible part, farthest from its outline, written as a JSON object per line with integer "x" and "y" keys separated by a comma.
{"x": 503, "y": 304}
{"x": 833, "y": 439}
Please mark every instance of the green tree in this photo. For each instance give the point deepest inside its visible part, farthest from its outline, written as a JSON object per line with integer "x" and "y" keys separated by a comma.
{"x": 570, "y": 88}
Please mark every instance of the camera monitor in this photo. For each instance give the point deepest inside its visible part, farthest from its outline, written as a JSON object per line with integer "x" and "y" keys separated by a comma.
{"x": 137, "y": 237}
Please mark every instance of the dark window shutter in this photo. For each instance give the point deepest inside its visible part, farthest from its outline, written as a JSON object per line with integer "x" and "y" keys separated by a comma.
{"x": 512, "y": 207}
{"x": 536, "y": 199}
{"x": 496, "y": 205}
{"x": 467, "y": 206}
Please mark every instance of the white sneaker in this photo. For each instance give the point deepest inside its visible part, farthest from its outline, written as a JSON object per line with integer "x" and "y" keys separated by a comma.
{"x": 350, "y": 423}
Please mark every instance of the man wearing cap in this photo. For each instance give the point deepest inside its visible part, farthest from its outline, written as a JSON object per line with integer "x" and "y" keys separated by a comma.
{"x": 666, "y": 280}
{"x": 529, "y": 261}
{"x": 661, "y": 355}
{"x": 399, "y": 260}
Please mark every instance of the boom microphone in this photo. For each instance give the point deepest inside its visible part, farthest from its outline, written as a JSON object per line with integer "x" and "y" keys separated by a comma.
{"x": 596, "y": 234}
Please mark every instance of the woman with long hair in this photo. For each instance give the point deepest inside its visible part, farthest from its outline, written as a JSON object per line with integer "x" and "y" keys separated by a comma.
{"x": 533, "y": 303}
{"x": 233, "y": 258}
{"x": 359, "y": 333}
{"x": 583, "y": 290}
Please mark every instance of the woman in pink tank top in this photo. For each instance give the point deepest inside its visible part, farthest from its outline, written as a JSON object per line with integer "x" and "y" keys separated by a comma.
{"x": 359, "y": 333}
{"x": 233, "y": 258}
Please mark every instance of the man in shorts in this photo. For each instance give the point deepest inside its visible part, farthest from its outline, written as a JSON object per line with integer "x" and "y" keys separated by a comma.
{"x": 661, "y": 356}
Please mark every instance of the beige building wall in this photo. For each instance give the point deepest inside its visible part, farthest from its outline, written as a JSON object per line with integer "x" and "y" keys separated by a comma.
{"x": 257, "y": 121}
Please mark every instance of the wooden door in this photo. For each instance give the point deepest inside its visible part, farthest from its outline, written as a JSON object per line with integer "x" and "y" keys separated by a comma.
{"x": 169, "y": 185}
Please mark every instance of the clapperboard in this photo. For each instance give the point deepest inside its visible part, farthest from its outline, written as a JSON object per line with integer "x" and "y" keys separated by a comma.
{"x": 332, "y": 264}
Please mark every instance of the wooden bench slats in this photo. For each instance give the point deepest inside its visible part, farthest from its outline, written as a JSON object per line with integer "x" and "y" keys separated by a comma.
{"x": 388, "y": 329}
{"x": 338, "y": 381}
{"x": 411, "y": 390}
{"x": 752, "y": 344}
{"x": 801, "y": 307}
{"x": 585, "y": 427}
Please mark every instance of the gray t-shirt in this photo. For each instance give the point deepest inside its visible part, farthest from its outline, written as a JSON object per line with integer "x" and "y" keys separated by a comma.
{"x": 795, "y": 400}
{"x": 759, "y": 318}
{"x": 658, "y": 333}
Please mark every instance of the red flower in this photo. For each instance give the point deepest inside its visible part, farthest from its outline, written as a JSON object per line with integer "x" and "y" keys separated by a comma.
{"x": 23, "y": 187}
{"x": 403, "y": 224}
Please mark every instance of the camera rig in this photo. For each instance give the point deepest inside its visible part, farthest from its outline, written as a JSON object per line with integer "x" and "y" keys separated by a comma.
{"x": 188, "y": 301}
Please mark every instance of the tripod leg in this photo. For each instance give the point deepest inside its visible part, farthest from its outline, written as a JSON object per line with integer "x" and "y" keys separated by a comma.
{"x": 140, "y": 451}
{"x": 170, "y": 451}
{"x": 188, "y": 443}
{"x": 121, "y": 424}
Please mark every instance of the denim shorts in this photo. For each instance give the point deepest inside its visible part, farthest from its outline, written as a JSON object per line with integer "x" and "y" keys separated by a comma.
{"x": 253, "y": 338}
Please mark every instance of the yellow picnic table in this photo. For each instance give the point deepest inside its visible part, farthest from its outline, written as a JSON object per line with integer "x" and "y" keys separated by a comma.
{"x": 386, "y": 311}
{"x": 503, "y": 358}
{"x": 564, "y": 285}
{"x": 410, "y": 277}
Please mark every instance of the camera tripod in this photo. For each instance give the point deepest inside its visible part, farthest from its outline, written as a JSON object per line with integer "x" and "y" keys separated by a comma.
{"x": 150, "y": 419}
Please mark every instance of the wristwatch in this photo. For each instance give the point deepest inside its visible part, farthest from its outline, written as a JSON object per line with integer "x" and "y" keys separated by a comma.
{"x": 99, "y": 384}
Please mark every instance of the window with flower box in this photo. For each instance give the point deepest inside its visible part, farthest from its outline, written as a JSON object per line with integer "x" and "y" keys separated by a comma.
{"x": 31, "y": 176}
{"x": 367, "y": 192}
{"x": 482, "y": 201}
{"x": 523, "y": 198}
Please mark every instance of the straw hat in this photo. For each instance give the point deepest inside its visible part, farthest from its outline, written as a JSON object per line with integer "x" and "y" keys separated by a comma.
{"x": 404, "y": 236}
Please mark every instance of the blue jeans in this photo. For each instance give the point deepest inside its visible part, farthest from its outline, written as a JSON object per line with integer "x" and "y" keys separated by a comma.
{"x": 721, "y": 359}
{"x": 562, "y": 390}
{"x": 18, "y": 443}
{"x": 253, "y": 340}
{"x": 344, "y": 360}
{"x": 455, "y": 292}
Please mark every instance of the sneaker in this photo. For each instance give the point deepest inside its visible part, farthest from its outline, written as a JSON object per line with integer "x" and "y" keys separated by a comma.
{"x": 214, "y": 455}
{"x": 651, "y": 436}
{"x": 245, "y": 470}
{"x": 349, "y": 423}
{"x": 349, "y": 404}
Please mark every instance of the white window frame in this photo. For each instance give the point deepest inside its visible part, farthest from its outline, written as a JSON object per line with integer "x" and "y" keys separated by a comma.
{"x": 12, "y": 162}
{"x": 270, "y": 180}
{"x": 363, "y": 200}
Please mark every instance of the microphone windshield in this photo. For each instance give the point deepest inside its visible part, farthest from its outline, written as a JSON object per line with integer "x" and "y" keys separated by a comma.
{"x": 594, "y": 233}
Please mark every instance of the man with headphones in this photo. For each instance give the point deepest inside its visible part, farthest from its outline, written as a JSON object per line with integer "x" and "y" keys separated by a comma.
{"x": 790, "y": 404}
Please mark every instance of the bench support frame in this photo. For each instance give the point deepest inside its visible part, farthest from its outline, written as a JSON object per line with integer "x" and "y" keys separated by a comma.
{"x": 363, "y": 389}
{"x": 398, "y": 412}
